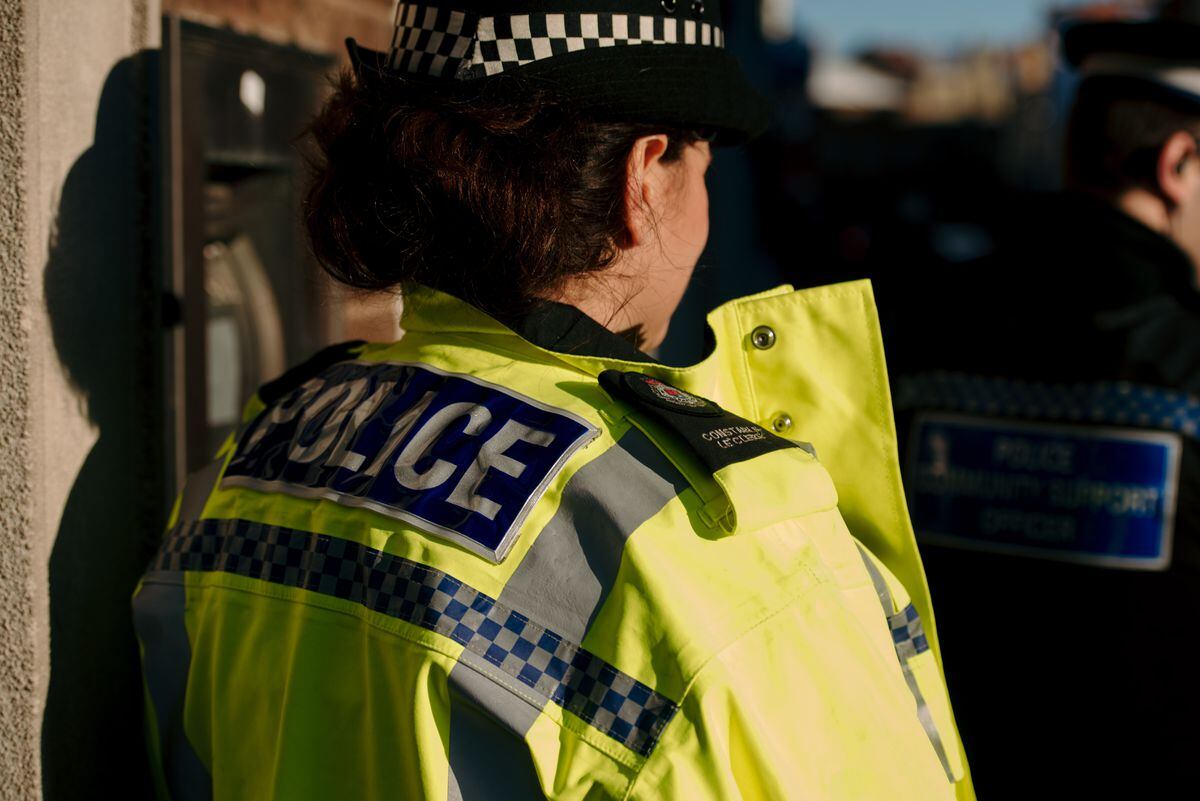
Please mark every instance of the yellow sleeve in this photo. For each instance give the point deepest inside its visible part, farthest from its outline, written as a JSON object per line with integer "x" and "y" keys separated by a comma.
{"x": 801, "y": 706}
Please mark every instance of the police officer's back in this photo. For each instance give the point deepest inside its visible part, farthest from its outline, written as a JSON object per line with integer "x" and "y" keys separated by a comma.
{"x": 510, "y": 556}
{"x": 1050, "y": 408}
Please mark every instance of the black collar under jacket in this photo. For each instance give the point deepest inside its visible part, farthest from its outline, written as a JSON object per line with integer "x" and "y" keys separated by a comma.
{"x": 1119, "y": 260}
{"x": 1138, "y": 303}
{"x": 565, "y": 329}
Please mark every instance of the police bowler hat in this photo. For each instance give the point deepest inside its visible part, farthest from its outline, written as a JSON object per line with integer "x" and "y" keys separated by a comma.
{"x": 1155, "y": 57}
{"x": 653, "y": 61}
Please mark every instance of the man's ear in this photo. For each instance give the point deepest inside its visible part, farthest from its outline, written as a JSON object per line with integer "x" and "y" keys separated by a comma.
{"x": 644, "y": 187}
{"x": 1178, "y": 167}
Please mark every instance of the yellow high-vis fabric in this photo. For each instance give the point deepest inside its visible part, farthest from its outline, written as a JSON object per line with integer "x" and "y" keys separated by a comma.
{"x": 461, "y": 566}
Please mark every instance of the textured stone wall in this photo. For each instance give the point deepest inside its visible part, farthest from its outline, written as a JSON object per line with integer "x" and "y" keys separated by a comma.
{"x": 74, "y": 286}
{"x": 81, "y": 409}
{"x": 19, "y": 680}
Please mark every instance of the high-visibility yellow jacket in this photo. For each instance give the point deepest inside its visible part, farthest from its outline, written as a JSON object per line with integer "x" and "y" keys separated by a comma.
{"x": 461, "y": 566}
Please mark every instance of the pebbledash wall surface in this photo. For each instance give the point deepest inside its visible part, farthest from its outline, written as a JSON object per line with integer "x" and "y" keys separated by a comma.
{"x": 71, "y": 230}
{"x": 81, "y": 417}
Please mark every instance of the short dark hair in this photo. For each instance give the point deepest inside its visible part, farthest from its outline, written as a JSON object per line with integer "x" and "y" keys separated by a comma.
{"x": 1116, "y": 131}
{"x": 497, "y": 194}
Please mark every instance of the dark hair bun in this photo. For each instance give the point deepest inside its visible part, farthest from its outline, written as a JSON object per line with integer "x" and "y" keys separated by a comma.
{"x": 497, "y": 195}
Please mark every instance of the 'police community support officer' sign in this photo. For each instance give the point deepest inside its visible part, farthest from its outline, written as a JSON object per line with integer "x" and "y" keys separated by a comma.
{"x": 448, "y": 453}
{"x": 1094, "y": 495}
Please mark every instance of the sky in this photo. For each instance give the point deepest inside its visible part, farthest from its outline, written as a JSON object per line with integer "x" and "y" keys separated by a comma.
{"x": 942, "y": 25}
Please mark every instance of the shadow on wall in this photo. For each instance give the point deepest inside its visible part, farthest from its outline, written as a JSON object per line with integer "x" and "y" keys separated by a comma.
{"x": 103, "y": 301}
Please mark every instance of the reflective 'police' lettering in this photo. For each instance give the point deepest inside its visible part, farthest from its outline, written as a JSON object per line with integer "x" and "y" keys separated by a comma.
{"x": 451, "y": 454}
{"x": 1101, "y": 496}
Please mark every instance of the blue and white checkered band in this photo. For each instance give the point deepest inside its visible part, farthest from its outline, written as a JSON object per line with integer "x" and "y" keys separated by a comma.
{"x": 1106, "y": 403}
{"x": 452, "y": 455}
{"x": 908, "y": 635}
{"x": 511, "y": 645}
{"x": 435, "y": 41}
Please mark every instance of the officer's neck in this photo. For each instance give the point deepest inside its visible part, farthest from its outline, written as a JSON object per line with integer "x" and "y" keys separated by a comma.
{"x": 1146, "y": 208}
{"x": 629, "y": 298}
{"x": 1153, "y": 212}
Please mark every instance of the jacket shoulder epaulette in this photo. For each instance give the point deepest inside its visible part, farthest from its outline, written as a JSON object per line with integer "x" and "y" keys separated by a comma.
{"x": 716, "y": 437}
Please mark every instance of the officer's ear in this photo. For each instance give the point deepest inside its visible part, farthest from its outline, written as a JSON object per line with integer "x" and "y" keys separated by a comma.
{"x": 1179, "y": 168}
{"x": 646, "y": 185}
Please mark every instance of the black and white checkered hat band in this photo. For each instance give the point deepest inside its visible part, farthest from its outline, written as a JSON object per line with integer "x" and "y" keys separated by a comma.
{"x": 430, "y": 40}
{"x": 436, "y": 41}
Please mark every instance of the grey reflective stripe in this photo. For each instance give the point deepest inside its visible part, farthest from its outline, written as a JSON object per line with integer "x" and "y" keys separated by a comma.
{"x": 489, "y": 760}
{"x": 909, "y": 640}
{"x": 926, "y": 718}
{"x": 881, "y": 586}
{"x": 471, "y": 678}
{"x": 158, "y": 617}
{"x": 562, "y": 583}
{"x": 511, "y": 645}
{"x": 198, "y": 488}
{"x": 570, "y": 569}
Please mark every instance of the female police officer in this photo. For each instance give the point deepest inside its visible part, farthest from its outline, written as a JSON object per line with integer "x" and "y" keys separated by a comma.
{"x": 510, "y": 556}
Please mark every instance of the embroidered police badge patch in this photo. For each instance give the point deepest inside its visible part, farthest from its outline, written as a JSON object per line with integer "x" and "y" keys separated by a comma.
{"x": 719, "y": 438}
{"x": 450, "y": 454}
{"x": 668, "y": 397}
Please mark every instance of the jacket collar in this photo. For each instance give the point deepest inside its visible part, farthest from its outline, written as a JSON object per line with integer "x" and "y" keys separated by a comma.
{"x": 560, "y": 328}
{"x": 552, "y": 327}
{"x": 1139, "y": 262}
{"x": 563, "y": 337}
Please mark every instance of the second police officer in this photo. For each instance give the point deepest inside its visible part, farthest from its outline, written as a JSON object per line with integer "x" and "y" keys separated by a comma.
{"x": 1053, "y": 466}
